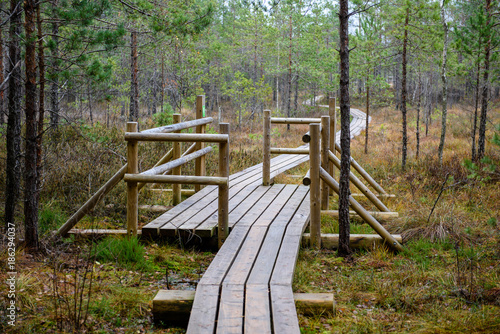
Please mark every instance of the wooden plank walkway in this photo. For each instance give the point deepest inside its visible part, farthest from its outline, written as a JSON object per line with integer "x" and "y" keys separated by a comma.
{"x": 247, "y": 288}
{"x": 197, "y": 216}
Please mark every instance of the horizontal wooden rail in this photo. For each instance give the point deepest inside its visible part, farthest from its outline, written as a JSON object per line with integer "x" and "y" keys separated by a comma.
{"x": 307, "y": 178}
{"x": 352, "y": 214}
{"x": 279, "y": 120}
{"x": 177, "y": 162}
{"x": 279, "y": 150}
{"x": 331, "y": 241}
{"x": 362, "y": 212}
{"x": 180, "y": 126}
{"x": 177, "y": 137}
{"x": 177, "y": 179}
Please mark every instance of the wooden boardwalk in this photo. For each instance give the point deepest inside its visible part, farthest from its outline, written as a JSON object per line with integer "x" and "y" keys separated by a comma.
{"x": 248, "y": 286}
{"x": 197, "y": 216}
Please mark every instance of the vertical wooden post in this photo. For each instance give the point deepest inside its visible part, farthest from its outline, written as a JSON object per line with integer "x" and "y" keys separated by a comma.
{"x": 266, "y": 162}
{"x": 223, "y": 227}
{"x": 176, "y": 188}
{"x": 132, "y": 190}
{"x": 325, "y": 161}
{"x": 332, "y": 110}
{"x": 314, "y": 162}
{"x": 199, "y": 165}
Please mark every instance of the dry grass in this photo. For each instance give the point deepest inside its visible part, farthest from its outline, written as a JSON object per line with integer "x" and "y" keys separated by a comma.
{"x": 447, "y": 280}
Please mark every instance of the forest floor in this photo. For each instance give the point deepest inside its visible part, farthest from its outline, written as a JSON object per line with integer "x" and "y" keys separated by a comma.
{"x": 446, "y": 281}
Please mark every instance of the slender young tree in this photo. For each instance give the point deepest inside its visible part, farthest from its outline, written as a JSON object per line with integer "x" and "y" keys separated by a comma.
{"x": 345, "y": 137}
{"x": 404, "y": 63}
{"x": 444, "y": 100}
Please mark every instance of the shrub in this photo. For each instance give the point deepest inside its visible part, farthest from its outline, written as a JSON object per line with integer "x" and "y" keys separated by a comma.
{"x": 127, "y": 252}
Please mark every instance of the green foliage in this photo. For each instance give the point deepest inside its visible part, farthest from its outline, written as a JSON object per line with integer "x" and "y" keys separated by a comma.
{"x": 164, "y": 118}
{"x": 51, "y": 217}
{"x": 127, "y": 252}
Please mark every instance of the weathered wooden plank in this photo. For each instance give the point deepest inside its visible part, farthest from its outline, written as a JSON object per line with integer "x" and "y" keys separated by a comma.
{"x": 152, "y": 229}
{"x": 236, "y": 195}
{"x": 207, "y": 228}
{"x": 264, "y": 264}
{"x": 230, "y": 317}
{"x": 204, "y": 311}
{"x": 226, "y": 255}
{"x": 289, "y": 250}
{"x": 257, "y": 309}
{"x": 283, "y": 310}
{"x": 277, "y": 205}
{"x": 173, "y": 306}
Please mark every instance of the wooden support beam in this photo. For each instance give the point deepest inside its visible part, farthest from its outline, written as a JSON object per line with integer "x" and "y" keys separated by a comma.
{"x": 92, "y": 202}
{"x": 266, "y": 160}
{"x": 363, "y": 173}
{"x": 331, "y": 241}
{"x": 177, "y": 179}
{"x": 180, "y": 126}
{"x": 357, "y": 182}
{"x": 332, "y": 111}
{"x": 162, "y": 169}
{"x": 199, "y": 165}
{"x": 307, "y": 178}
{"x": 325, "y": 161}
{"x": 176, "y": 188}
{"x": 132, "y": 189}
{"x": 177, "y": 137}
{"x": 362, "y": 212}
{"x": 223, "y": 198}
{"x": 378, "y": 195}
{"x": 173, "y": 307}
{"x": 376, "y": 214}
{"x": 279, "y": 150}
{"x": 315, "y": 202}
{"x": 98, "y": 233}
{"x": 281, "y": 120}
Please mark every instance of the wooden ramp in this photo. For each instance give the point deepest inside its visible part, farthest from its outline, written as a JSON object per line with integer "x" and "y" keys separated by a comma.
{"x": 197, "y": 215}
{"x": 248, "y": 286}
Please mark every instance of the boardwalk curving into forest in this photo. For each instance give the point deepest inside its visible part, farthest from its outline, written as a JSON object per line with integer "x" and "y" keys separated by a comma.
{"x": 248, "y": 286}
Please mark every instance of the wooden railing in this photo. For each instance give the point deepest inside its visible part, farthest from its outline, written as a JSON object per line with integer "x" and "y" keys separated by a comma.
{"x": 153, "y": 175}
{"x": 268, "y": 150}
{"x": 318, "y": 157}
{"x": 196, "y": 151}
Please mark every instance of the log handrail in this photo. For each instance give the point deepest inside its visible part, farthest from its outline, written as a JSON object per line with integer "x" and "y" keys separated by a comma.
{"x": 177, "y": 137}
{"x": 166, "y": 167}
{"x": 180, "y": 126}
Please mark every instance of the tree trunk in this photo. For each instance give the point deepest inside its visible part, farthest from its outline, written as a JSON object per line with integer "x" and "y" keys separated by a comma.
{"x": 445, "y": 85}
{"x": 13, "y": 163}
{"x": 345, "y": 141}
{"x": 30, "y": 172}
{"x": 419, "y": 103}
{"x": 54, "y": 87}
{"x": 403, "y": 90}
{"x": 2, "y": 101}
{"x": 476, "y": 106}
{"x": 134, "y": 84}
{"x": 484, "y": 98}
{"x": 41, "y": 98}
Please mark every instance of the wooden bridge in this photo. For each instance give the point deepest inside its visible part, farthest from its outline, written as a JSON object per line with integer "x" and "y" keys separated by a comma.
{"x": 248, "y": 286}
